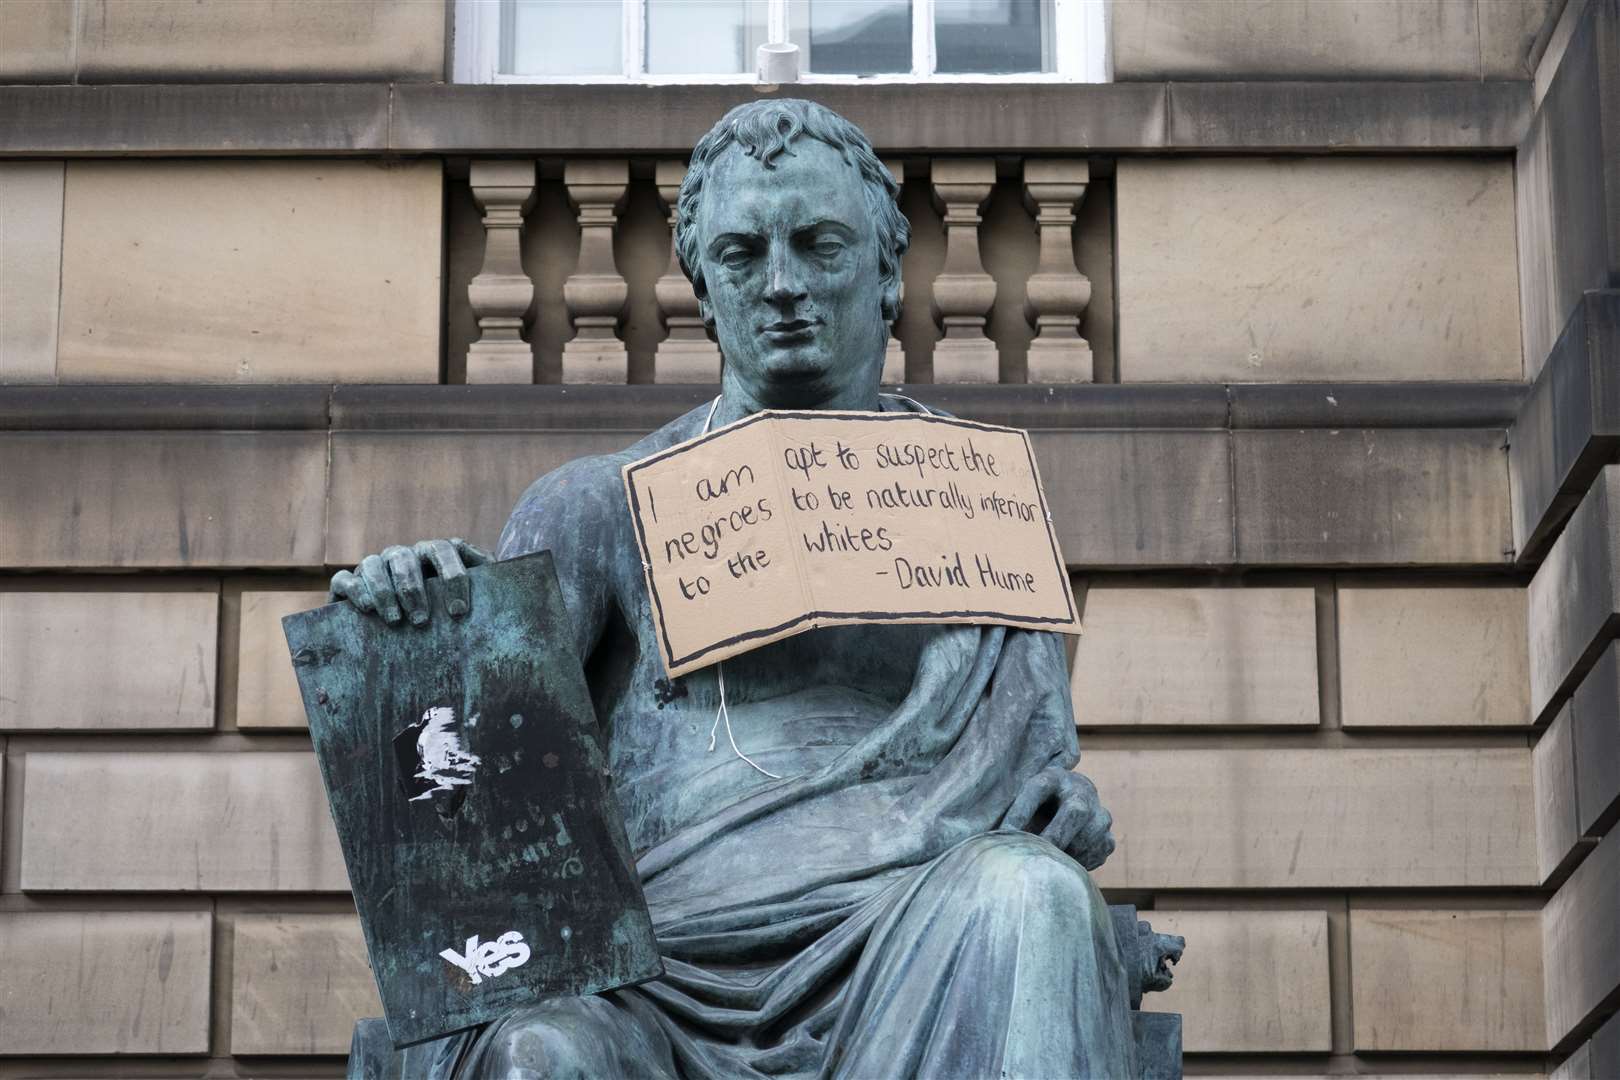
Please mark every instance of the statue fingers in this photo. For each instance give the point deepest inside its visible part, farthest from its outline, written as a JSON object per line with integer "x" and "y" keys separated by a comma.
{"x": 1066, "y": 827}
{"x": 1035, "y": 792}
{"x": 348, "y": 586}
{"x": 374, "y": 572}
{"x": 471, "y": 554}
{"x": 1097, "y": 843}
{"x": 446, "y": 562}
{"x": 406, "y": 572}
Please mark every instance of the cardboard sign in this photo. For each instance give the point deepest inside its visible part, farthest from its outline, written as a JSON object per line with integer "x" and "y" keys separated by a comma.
{"x": 785, "y": 521}
{"x": 462, "y": 763}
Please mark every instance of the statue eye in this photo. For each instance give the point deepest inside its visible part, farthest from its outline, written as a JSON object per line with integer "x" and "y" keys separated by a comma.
{"x": 827, "y": 246}
{"x": 734, "y": 257}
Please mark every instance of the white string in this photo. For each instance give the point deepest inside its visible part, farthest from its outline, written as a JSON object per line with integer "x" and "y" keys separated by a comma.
{"x": 724, "y": 713}
{"x": 920, "y": 406}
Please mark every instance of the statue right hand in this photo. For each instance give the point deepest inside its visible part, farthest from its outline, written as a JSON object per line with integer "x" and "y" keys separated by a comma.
{"x": 391, "y": 584}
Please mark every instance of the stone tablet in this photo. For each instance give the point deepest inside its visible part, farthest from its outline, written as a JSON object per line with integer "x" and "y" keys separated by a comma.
{"x": 488, "y": 860}
{"x": 785, "y": 521}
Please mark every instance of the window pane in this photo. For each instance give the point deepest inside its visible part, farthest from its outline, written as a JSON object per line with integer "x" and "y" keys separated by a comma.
{"x": 860, "y": 37}
{"x": 992, "y": 37}
{"x": 562, "y": 37}
{"x": 703, "y": 37}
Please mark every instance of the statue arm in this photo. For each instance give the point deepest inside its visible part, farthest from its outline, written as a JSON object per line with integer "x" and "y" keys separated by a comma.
{"x": 574, "y": 513}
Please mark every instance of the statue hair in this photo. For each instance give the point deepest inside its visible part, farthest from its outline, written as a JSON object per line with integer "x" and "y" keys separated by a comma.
{"x": 765, "y": 130}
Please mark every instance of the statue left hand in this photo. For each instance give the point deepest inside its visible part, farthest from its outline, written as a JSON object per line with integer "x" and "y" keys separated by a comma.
{"x": 1079, "y": 824}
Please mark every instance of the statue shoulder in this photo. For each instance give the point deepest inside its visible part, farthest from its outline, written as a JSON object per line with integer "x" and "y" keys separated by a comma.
{"x": 575, "y": 501}
{"x": 582, "y": 502}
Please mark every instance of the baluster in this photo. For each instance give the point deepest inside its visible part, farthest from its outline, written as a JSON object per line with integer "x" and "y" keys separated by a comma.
{"x": 595, "y": 293}
{"x": 502, "y": 292}
{"x": 686, "y": 355}
{"x": 1058, "y": 292}
{"x": 963, "y": 292}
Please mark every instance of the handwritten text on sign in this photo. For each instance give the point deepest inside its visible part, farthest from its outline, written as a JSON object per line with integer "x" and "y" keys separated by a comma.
{"x": 786, "y": 521}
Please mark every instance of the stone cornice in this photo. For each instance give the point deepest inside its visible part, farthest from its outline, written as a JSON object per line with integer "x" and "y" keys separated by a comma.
{"x": 370, "y": 119}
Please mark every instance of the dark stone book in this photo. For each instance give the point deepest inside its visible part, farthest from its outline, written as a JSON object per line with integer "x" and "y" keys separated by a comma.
{"x": 473, "y": 802}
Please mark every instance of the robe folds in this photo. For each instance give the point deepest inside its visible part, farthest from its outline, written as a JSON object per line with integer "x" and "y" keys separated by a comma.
{"x": 863, "y": 916}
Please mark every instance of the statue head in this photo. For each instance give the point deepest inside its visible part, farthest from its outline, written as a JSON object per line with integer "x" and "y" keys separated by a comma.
{"x": 789, "y": 228}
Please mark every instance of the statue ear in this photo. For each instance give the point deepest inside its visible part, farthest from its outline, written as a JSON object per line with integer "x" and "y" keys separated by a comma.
{"x": 706, "y": 311}
{"x": 889, "y": 300}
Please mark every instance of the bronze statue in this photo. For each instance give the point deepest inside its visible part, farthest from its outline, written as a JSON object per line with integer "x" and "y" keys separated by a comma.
{"x": 879, "y": 869}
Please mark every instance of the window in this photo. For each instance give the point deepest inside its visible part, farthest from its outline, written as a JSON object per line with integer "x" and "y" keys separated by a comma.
{"x": 514, "y": 41}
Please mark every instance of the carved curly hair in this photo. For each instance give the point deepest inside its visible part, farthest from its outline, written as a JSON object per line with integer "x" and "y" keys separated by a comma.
{"x": 765, "y": 130}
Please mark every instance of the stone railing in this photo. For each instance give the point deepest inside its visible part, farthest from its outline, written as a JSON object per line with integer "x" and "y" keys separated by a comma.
{"x": 947, "y": 275}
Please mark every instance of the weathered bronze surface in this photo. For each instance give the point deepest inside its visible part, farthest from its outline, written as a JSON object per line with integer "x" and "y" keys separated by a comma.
{"x": 472, "y": 802}
{"x": 878, "y": 868}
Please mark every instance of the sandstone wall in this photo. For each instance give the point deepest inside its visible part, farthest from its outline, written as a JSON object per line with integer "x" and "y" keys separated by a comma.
{"x": 1336, "y": 480}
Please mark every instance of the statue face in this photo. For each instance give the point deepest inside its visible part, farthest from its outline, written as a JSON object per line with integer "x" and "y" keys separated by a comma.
{"x": 790, "y": 261}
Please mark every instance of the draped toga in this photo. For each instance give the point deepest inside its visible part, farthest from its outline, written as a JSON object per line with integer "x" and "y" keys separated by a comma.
{"x": 863, "y": 915}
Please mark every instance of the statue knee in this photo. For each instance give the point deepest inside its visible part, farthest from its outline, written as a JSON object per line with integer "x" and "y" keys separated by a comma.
{"x": 1003, "y": 869}
{"x": 562, "y": 1039}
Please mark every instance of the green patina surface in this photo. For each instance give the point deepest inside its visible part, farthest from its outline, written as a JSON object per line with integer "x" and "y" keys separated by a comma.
{"x": 525, "y": 839}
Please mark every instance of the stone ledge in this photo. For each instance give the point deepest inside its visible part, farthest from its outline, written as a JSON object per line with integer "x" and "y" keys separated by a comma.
{"x": 1569, "y": 425}
{"x": 1335, "y": 116}
{"x": 1121, "y": 497}
{"x": 383, "y": 407}
{"x": 422, "y": 118}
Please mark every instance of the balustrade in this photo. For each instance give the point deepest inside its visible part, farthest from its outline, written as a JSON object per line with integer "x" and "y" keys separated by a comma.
{"x": 597, "y": 296}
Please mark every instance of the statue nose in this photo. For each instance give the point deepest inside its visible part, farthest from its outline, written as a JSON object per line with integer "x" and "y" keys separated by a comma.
{"x": 785, "y": 283}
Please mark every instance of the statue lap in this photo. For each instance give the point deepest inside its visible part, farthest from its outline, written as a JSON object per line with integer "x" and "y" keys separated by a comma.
{"x": 1003, "y": 923}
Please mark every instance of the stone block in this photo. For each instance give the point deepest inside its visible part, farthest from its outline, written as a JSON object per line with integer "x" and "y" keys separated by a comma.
{"x": 1296, "y": 39}
{"x": 107, "y": 661}
{"x": 1252, "y": 982}
{"x": 1435, "y": 497}
{"x": 158, "y": 119}
{"x": 298, "y": 984}
{"x": 1605, "y": 1046}
{"x": 393, "y": 487}
{"x": 1480, "y": 974}
{"x": 36, "y": 41}
{"x": 1578, "y": 1066}
{"x": 1569, "y": 425}
{"x": 1268, "y": 269}
{"x": 1570, "y": 208}
{"x": 1508, "y": 30}
{"x": 1334, "y": 117}
{"x": 176, "y": 822}
{"x": 1165, "y": 656}
{"x": 1317, "y": 818}
{"x": 30, "y": 266}
{"x": 116, "y": 499}
{"x": 1595, "y": 711}
{"x": 266, "y": 689}
{"x": 245, "y": 41}
{"x": 105, "y": 982}
{"x": 1557, "y": 827}
{"x": 1581, "y": 942}
{"x": 1437, "y": 657}
{"x": 1108, "y": 514}
{"x": 250, "y": 271}
{"x": 1575, "y": 595}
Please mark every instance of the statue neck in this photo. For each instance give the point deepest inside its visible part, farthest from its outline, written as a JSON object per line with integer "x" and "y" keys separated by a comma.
{"x": 739, "y": 399}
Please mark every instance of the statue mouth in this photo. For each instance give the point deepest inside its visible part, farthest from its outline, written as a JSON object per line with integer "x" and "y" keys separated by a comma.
{"x": 791, "y": 331}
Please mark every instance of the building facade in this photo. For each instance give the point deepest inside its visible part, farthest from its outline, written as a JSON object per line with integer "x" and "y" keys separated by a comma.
{"x": 1312, "y": 309}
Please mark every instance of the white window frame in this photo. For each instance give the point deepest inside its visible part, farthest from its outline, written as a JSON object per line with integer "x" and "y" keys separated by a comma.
{"x": 1079, "y": 32}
